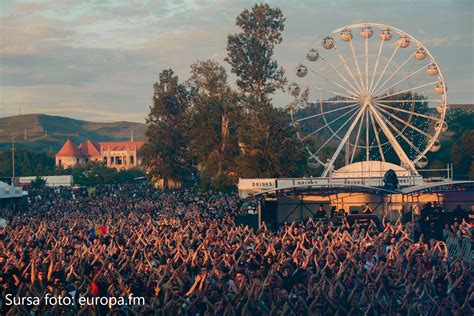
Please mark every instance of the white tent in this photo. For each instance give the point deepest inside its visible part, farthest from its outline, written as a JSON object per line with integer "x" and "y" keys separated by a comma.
{"x": 8, "y": 191}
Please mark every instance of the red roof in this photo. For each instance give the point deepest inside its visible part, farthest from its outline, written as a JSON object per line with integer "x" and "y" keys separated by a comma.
{"x": 68, "y": 150}
{"x": 120, "y": 145}
{"x": 89, "y": 148}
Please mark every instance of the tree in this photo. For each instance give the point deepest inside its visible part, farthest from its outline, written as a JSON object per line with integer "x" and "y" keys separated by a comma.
{"x": 38, "y": 183}
{"x": 269, "y": 147}
{"x": 462, "y": 154}
{"x": 93, "y": 174}
{"x": 459, "y": 123}
{"x": 27, "y": 163}
{"x": 250, "y": 54}
{"x": 166, "y": 151}
{"x": 275, "y": 153}
{"x": 214, "y": 117}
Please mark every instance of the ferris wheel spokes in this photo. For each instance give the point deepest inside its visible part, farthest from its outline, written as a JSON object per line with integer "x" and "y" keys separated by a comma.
{"x": 335, "y": 93}
{"x": 356, "y": 61}
{"x": 400, "y": 81}
{"x": 366, "y": 64}
{"x": 376, "y": 64}
{"x": 380, "y": 103}
{"x": 351, "y": 92}
{"x": 327, "y": 124}
{"x": 376, "y": 92}
{"x": 332, "y": 101}
{"x": 356, "y": 90}
{"x": 327, "y": 112}
{"x": 403, "y": 121}
{"x": 393, "y": 141}
{"x": 346, "y": 66}
{"x": 334, "y": 134}
{"x": 390, "y": 124}
{"x": 384, "y": 69}
{"x": 408, "y": 101}
{"x": 406, "y": 90}
{"x": 330, "y": 163}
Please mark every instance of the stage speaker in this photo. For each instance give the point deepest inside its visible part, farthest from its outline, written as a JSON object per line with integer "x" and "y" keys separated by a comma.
{"x": 269, "y": 212}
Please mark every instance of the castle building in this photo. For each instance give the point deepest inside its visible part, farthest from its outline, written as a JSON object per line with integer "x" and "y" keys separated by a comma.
{"x": 118, "y": 155}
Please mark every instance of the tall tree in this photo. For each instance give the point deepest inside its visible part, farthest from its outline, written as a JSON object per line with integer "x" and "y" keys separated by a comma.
{"x": 269, "y": 147}
{"x": 214, "y": 115}
{"x": 250, "y": 54}
{"x": 166, "y": 151}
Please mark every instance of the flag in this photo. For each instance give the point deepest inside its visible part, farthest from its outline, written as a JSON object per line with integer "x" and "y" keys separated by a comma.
{"x": 94, "y": 289}
{"x": 100, "y": 230}
{"x": 103, "y": 229}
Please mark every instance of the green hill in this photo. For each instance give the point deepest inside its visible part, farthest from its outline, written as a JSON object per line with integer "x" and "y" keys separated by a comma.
{"x": 46, "y": 133}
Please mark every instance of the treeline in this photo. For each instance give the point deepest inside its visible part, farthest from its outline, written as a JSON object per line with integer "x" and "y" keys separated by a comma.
{"x": 457, "y": 146}
{"x": 203, "y": 128}
{"x": 27, "y": 163}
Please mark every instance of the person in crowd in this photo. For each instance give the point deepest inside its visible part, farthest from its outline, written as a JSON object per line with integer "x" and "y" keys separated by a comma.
{"x": 367, "y": 209}
{"x": 182, "y": 252}
{"x": 321, "y": 212}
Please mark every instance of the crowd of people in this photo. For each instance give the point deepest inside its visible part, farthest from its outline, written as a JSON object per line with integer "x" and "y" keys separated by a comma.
{"x": 182, "y": 252}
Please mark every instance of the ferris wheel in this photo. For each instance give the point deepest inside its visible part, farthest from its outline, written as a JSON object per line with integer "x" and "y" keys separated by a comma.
{"x": 368, "y": 92}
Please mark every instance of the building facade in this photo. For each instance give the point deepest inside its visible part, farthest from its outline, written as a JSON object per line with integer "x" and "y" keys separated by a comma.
{"x": 118, "y": 155}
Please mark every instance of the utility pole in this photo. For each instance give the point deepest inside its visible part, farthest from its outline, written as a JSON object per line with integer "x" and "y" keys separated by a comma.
{"x": 13, "y": 161}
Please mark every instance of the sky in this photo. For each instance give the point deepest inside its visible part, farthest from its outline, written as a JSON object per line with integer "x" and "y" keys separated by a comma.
{"x": 98, "y": 59}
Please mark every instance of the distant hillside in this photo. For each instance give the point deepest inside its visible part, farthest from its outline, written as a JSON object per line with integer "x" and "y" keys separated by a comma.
{"x": 46, "y": 133}
{"x": 464, "y": 107}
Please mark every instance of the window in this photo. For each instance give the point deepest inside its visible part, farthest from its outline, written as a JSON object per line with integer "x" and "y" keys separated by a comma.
{"x": 60, "y": 163}
{"x": 105, "y": 159}
{"x": 77, "y": 160}
{"x": 131, "y": 160}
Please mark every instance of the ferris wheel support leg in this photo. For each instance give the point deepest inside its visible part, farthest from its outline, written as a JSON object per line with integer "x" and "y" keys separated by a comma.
{"x": 367, "y": 146}
{"x": 343, "y": 141}
{"x": 396, "y": 146}
{"x": 357, "y": 137}
{"x": 377, "y": 136}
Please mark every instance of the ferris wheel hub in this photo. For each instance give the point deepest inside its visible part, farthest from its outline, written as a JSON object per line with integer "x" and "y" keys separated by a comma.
{"x": 365, "y": 99}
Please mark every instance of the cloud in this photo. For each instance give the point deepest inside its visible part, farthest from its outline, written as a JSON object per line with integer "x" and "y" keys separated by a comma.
{"x": 96, "y": 59}
{"x": 446, "y": 40}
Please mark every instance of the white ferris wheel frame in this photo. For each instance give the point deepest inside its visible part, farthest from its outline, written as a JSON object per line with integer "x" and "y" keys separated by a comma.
{"x": 379, "y": 110}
